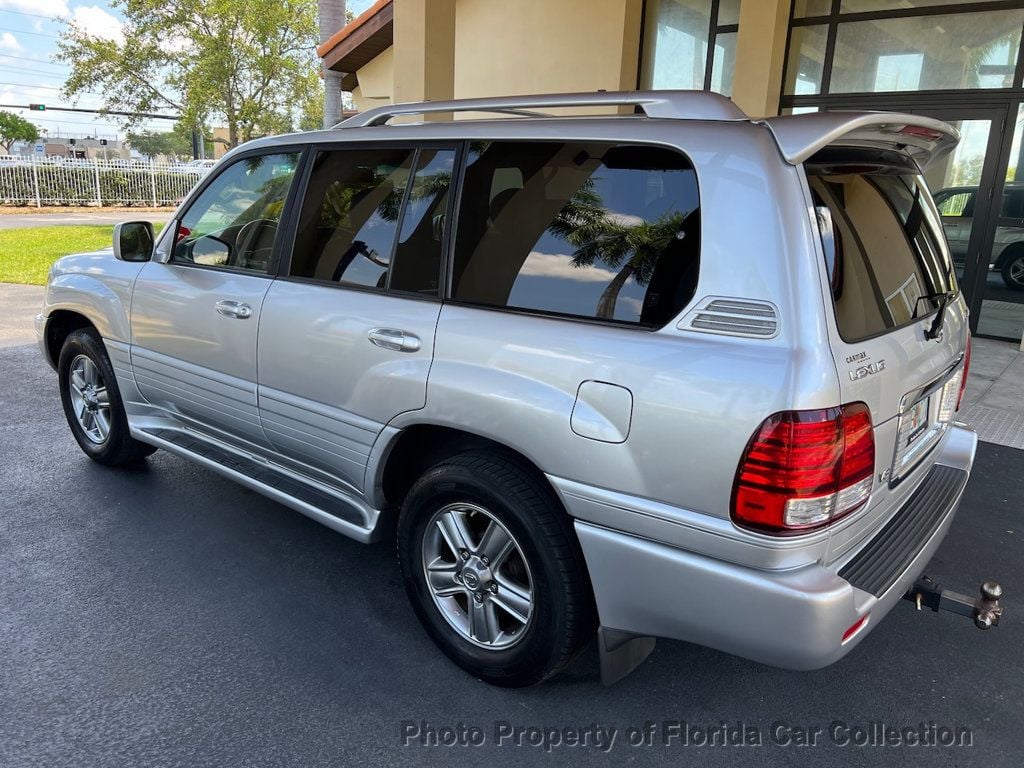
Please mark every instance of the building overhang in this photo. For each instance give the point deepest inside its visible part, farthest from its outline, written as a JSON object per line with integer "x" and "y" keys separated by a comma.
{"x": 359, "y": 42}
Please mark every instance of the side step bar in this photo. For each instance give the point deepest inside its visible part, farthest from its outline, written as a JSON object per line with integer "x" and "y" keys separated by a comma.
{"x": 334, "y": 508}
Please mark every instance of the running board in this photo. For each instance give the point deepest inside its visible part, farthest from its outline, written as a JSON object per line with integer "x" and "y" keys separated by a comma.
{"x": 336, "y": 509}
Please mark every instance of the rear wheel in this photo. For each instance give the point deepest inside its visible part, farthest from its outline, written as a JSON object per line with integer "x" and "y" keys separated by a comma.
{"x": 493, "y": 569}
{"x": 1013, "y": 272}
{"x": 92, "y": 402}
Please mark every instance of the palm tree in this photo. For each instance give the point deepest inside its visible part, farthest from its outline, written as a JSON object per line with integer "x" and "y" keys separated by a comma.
{"x": 332, "y": 18}
{"x": 597, "y": 235}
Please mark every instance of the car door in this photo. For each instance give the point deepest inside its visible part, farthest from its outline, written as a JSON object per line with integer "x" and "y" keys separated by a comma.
{"x": 347, "y": 332}
{"x": 956, "y": 207}
{"x": 196, "y": 306}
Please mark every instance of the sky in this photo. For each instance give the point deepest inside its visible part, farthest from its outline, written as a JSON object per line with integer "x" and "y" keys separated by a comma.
{"x": 28, "y": 74}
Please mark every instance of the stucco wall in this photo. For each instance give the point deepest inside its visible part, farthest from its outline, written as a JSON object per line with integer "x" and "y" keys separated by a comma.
{"x": 534, "y": 46}
{"x": 376, "y": 81}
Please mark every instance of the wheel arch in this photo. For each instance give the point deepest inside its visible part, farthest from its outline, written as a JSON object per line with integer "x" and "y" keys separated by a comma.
{"x": 1010, "y": 251}
{"x": 414, "y": 449}
{"x": 60, "y": 324}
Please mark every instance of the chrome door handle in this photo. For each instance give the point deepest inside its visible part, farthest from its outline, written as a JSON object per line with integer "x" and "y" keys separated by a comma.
{"x": 236, "y": 309}
{"x": 392, "y": 338}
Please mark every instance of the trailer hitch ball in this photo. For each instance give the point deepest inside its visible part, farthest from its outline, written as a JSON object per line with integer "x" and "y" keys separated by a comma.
{"x": 987, "y": 610}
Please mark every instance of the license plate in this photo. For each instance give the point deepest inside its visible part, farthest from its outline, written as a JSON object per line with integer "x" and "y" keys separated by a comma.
{"x": 915, "y": 421}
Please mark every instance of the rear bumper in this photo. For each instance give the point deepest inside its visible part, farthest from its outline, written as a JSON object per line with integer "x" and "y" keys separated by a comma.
{"x": 793, "y": 618}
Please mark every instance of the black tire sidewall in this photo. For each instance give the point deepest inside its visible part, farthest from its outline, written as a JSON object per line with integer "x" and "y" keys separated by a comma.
{"x": 1012, "y": 284}
{"x": 533, "y": 657}
{"x": 88, "y": 343}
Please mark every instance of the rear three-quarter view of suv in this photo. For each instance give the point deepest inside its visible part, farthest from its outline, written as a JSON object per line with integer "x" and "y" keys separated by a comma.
{"x": 675, "y": 373}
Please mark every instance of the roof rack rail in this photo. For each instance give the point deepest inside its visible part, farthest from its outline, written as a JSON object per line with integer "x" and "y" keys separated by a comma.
{"x": 678, "y": 105}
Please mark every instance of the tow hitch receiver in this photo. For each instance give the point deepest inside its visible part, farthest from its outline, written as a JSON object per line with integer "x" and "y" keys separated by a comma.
{"x": 985, "y": 611}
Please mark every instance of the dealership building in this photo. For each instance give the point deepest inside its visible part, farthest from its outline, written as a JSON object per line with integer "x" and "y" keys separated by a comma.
{"x": 957, "y": 61}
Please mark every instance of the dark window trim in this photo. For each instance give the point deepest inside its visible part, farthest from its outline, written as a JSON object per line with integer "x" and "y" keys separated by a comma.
{"x": 279, "y": 239}
{"x": 897, "y": 13}
{"x": 333, "y": 146}
{"x": 454, "y": 229}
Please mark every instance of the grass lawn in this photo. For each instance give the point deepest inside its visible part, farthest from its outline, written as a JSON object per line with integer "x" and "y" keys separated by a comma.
{"x": 26, "y": 254}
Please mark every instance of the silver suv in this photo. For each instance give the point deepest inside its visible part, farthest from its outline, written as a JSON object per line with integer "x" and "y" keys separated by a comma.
{"x": 673, "y": 373}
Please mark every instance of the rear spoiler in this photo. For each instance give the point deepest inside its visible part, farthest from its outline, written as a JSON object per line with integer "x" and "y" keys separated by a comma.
{"x": 922, "y": 138}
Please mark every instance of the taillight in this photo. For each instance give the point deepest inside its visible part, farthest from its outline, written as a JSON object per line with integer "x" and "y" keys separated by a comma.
{"x": 966, "y": 370}
{"x": 803, "y": 469}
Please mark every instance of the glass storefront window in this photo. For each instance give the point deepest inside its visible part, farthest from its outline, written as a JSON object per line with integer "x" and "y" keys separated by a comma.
{"x": 1002, "y": 310}
{"x": 864, "y": 6}
{"x": 966, "y": 50}
{"x": 804, "y": 8}
{"x": 676, "y": 44}
{"x": 806, "y": 60}
{"x": 725, "y": 57}
{"x": 676, "y": 35}
{"x": 728, "y": 13}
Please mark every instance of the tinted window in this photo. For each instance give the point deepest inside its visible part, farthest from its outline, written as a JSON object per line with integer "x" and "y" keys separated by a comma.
{"x": 233, "y": 222}
{"x": 352, "y": 227}
{"x": 883, "y": 246}
{"x": 1013, "y": 204}
{"x": 417, "y": 266}
{"x": 587, "y": 229}
{"x": 350, "y": 216}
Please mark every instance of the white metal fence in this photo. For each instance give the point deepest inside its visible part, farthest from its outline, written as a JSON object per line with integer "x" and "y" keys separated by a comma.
{"x": 63, "y": 181}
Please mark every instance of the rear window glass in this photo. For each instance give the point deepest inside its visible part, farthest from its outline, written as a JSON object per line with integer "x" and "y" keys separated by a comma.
{"x": 886, "y": 257}
{"x": 592, "y": 230}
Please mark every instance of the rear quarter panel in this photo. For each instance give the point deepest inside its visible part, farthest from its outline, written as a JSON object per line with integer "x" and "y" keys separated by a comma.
{"x": 697, "y": 398}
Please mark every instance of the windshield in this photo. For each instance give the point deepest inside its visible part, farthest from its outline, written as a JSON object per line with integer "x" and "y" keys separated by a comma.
{"x": 886, "y": 257}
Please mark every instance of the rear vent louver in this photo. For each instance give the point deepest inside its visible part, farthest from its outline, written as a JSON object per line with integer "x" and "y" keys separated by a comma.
{"x": 733, "y": 317}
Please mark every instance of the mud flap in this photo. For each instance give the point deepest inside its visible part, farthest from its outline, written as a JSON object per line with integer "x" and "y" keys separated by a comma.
{"x": 621, "y": 653}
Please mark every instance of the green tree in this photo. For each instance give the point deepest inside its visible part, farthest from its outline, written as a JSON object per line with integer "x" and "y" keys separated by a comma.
{"x": 15, "y": 128}
{"x": 249, "y": 64}
{"x": 176, "y": 143}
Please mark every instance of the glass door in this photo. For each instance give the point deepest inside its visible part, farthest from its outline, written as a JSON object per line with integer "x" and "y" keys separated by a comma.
{"x": 983, "y": 216}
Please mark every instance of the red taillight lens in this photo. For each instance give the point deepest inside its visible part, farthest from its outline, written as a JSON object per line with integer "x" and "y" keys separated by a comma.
{"x": 803, "y": 469}
{"x": 967, "y": 369}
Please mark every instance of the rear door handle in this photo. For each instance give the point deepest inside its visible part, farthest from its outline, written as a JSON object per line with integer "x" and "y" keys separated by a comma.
{"x": 395, "y": 339}
{"x": 236, "y": 309}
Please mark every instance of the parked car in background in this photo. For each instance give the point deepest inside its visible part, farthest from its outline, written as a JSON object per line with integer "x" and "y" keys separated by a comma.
{"x": 956, "y": 204}
{"x": 685, "y": 375}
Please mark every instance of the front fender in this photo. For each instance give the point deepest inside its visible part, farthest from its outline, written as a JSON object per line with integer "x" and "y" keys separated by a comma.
{"x": 96, "y": 287}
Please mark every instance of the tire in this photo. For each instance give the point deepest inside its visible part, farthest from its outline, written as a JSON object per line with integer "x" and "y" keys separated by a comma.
{"x": 468, "y": 494}
{"x": 92, "y": 402}
{"x": 1013, "y": 272}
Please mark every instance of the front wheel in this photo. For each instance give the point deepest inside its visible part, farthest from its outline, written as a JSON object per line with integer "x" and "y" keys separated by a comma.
{"x": 493, "y": 569}
{"x": 92, "y": 402}
{"x": 1013, "y": 272}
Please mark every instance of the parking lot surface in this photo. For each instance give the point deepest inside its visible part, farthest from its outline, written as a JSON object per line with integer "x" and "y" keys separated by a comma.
{"x": 161, "y": 615}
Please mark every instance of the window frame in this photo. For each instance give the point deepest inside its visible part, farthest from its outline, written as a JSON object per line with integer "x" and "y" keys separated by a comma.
{"x": 449, "y": 260}
{"x": 165, "y": 243}
{"x": 458, "y": 146}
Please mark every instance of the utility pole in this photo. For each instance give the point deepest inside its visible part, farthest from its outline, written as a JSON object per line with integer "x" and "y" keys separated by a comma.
{"x": 332, "y": 18}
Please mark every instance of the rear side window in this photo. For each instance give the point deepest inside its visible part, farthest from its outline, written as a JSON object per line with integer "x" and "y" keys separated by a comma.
{"x": 353, "y": 229}
{"x": 953, "y": 203}
{"x": 883, "y": 245}
{"x": 587, "y": 229}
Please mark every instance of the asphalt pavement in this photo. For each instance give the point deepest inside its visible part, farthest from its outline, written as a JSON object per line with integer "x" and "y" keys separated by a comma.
{"x": 161, "y": 615}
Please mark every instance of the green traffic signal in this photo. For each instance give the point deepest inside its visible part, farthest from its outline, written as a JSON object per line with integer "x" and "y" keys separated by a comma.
{"x": 37, "y": 107}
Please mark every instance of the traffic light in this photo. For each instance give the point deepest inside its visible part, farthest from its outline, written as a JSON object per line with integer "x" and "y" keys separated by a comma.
{"x": 71, "y": 142}
{"x": 103, "y": 142}
{"x": 37, "y": 107}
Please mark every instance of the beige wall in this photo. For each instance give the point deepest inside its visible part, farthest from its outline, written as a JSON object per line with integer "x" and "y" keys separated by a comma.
{"x": 536, "y": 46}
{"x": 468, "y": 48}
{"x": 376, "y": 82}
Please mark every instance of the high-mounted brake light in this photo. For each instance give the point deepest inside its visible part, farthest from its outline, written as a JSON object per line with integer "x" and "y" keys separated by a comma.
{"x": 804, "y": 469}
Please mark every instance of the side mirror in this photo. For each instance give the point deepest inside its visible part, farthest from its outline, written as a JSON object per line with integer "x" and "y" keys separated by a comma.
{"x": 133, "y": 241}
